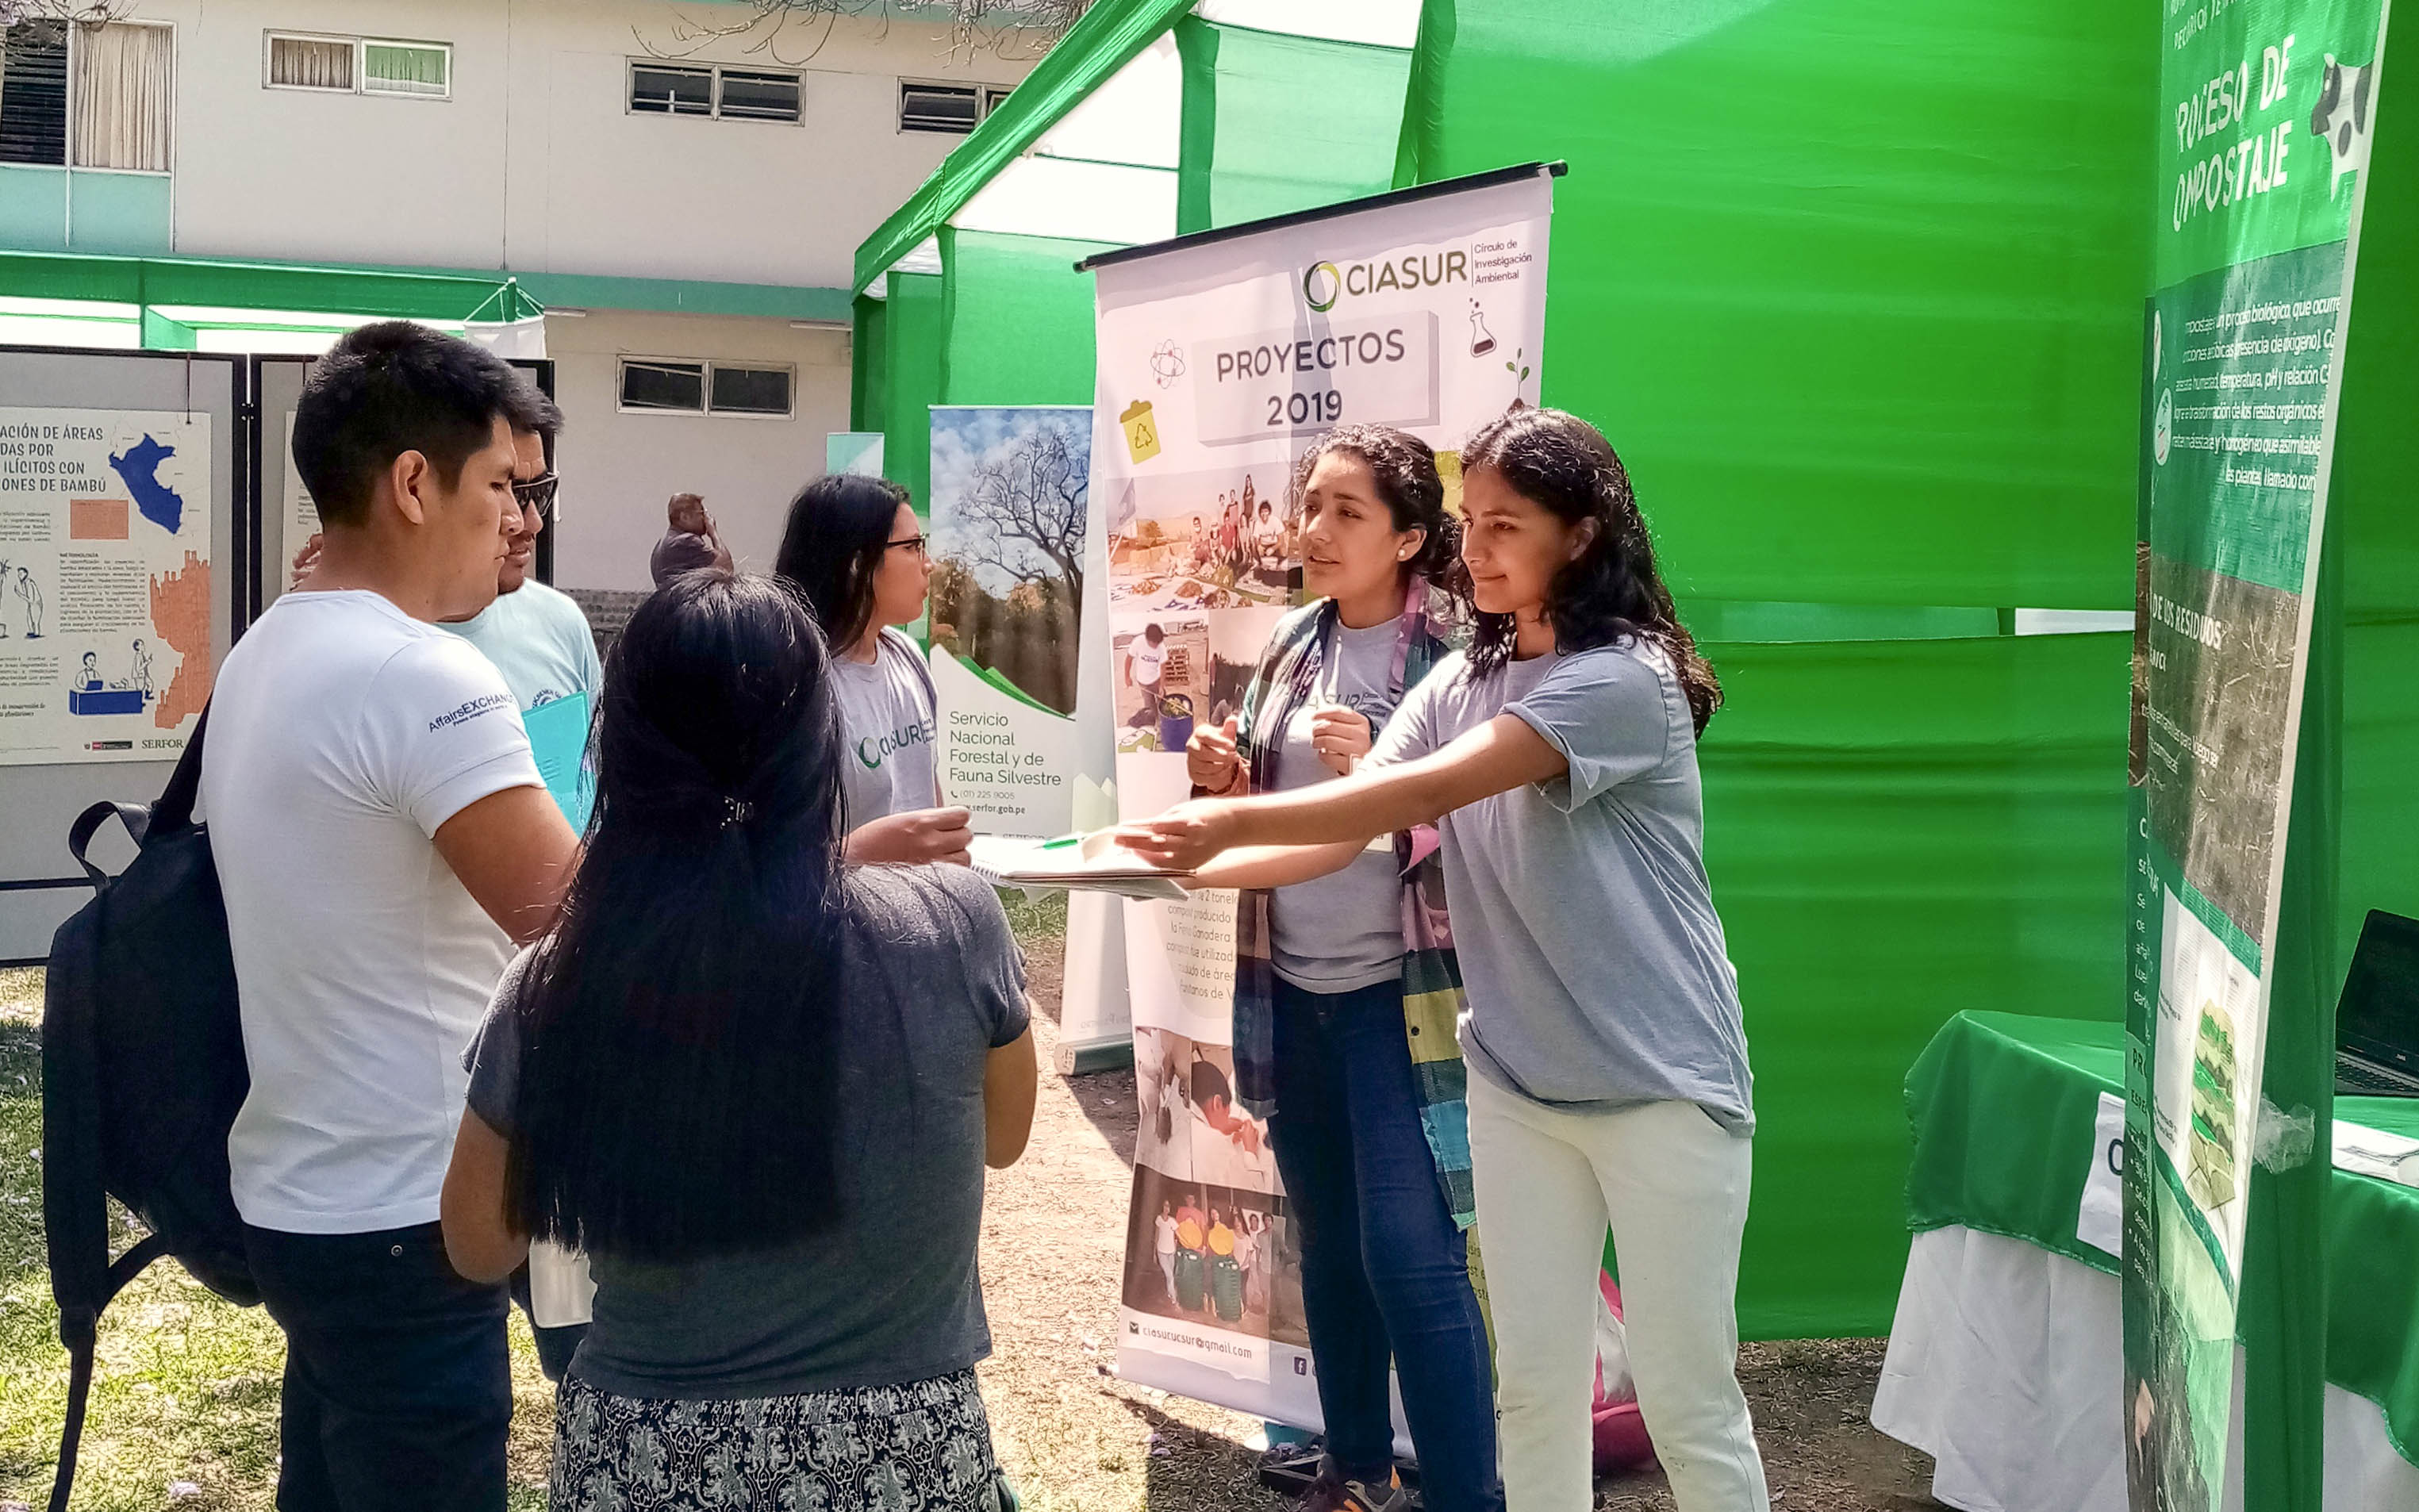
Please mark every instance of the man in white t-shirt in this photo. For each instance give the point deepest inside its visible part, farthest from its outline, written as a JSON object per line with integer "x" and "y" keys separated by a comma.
{"x": 1147, "y": 668}
{"x": 383, "y": 840}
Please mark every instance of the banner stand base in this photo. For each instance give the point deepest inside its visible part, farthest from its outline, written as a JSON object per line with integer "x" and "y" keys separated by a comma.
{"x": 1095, "y": 1055}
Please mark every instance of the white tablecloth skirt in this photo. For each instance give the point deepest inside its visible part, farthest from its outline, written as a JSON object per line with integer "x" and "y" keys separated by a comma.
{"x": 2006, "y": 1366}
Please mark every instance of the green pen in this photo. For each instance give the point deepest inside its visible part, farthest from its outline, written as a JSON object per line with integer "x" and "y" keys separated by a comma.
{"x": 1061, "y": 842}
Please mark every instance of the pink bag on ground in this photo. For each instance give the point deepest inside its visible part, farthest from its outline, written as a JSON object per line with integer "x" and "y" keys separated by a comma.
{"x": 1621, "y": 1442}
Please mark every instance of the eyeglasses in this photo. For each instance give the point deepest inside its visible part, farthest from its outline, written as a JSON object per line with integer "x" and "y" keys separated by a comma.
{"x": 908, "y": 543}
{"x": 538, "y": 494}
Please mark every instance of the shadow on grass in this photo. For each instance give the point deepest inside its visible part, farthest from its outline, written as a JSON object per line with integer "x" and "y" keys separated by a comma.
{"x": 1200, "y": 1472}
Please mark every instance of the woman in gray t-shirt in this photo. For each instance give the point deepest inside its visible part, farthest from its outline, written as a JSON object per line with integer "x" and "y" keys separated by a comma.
{"x": 1610, "y": 1078}
{"x": 853, "y": 547}
{"x": 1345, "y": 991}
{"x": 759, "y": 1088}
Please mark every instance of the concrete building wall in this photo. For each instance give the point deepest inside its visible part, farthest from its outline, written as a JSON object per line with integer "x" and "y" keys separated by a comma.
{"x": 619, "y": 468}
{"x": 535, "y": 161}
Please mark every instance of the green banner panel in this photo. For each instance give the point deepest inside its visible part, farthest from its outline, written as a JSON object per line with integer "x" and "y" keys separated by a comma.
{"x": 1897, "y": 831}
{"x": 1016, "y": 320}
{"x": 913, "y": 331}
{"x": 1250, "y": 149}
{"x": 1864, "y": 319}
{"x": 868, "y": 368}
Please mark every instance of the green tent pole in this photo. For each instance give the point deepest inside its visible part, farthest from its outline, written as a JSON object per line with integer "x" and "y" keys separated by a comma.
{"x": 2284, "y": 1314}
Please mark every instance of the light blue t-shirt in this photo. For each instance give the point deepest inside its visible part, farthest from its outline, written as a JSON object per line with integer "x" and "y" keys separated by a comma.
{"x": 1595, "y": 967}
{"x": 538, "y": 639}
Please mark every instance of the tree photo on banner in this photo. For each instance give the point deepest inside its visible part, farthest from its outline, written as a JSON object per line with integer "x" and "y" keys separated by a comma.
{"x": 2267, "y": 110}
{"x": 1011, "y": 493}
{"x": 1222, "y": 359}
{"x": 104, "y": 583}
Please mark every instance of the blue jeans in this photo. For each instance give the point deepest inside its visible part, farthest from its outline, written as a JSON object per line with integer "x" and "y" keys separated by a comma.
{"x": 1384, "y": 1270}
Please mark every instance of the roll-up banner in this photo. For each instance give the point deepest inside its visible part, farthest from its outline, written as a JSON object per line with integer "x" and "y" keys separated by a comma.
{"x": 2266, "y": 109}
{"x": 1223, "y": 357}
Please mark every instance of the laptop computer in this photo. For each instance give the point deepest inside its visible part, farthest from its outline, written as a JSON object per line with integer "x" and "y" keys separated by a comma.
{"x": 2376, "y": 1019}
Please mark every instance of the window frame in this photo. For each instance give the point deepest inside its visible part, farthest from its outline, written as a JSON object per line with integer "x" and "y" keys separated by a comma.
{"x": 67, "y": 105}
{"x": 630, "y": 81}
{"x": 361, "y": 46}
{"x": 976, "y": 90}
{"x": 361, "y": 88}
{"x": 706, "y": 367}
{"x": 714, "y": 73}
{"x": 789, "y": 371}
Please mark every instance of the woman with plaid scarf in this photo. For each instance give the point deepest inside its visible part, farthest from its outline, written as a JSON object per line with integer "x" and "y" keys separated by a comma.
{"x": 1346, "y": 993}
{"x": 1559, "y": 758}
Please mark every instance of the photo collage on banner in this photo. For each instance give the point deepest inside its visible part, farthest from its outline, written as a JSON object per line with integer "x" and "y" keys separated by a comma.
{"x": 2266, "y": 108}
{"x": 104, "y": 583}
{"x": 1221, "y": 361}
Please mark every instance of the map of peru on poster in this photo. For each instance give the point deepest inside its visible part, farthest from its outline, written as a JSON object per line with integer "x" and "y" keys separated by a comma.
{"x": 1220, "y": 363}
{"x": 104, "y": 583}
{"x": 2266, "y": 111}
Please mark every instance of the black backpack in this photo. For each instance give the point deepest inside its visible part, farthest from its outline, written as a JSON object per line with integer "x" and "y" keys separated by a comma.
{"x": 143, "y": 1072}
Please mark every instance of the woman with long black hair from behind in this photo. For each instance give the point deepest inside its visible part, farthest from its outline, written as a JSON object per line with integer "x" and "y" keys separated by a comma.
{"x": 854, "y": 547}
{"x": 1559, "y": 756}
{"x": 1346, "y": 993}
{"x": 759, "y": 1087}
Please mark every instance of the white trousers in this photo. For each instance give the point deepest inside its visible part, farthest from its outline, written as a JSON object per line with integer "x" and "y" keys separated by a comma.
{"x": 1673, "y": 1185}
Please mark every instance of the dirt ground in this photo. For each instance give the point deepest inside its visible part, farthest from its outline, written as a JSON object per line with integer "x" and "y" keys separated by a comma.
{"x": 1073, "y": 1436}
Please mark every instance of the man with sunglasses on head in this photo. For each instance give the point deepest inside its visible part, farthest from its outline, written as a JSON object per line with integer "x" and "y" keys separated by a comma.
{"x": 536, "y": 636}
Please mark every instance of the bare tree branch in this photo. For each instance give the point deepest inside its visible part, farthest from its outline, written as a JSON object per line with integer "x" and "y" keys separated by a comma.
{"x": 81, "y": 12}
{"x": 1032, "y": 502}
{"x": 1018, "y": 30}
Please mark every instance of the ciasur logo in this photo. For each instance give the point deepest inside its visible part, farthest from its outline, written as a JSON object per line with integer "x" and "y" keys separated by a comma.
{"x": 1324, "y": 284}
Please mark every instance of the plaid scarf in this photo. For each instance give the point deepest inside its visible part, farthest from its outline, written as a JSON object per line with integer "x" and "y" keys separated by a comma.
{"x": 1285, "y": 680}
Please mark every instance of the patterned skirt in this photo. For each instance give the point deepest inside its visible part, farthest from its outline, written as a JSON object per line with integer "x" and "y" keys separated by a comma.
{"x": 924, "y": 1446}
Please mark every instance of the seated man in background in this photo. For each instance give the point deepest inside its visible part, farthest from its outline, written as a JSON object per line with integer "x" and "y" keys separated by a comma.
{"x": 690, "y": 543}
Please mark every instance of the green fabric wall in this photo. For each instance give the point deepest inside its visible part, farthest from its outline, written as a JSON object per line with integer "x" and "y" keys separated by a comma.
{"x": 868, "y": 368}
{"x": 2375, "y": 502}
{"x": 1898, "y": 830}
{"x": 1016, "y": 320}
{"x": 1864, "y": 321}
{"x": 912, "y": 333}
{"x": 1855, "y": 288}
{"x": 1274, "y": 124}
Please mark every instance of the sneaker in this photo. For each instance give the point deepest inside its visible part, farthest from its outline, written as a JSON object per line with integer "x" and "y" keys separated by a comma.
{"x": 1361, "y": 1496}
{"x": 1329, "y": 1493}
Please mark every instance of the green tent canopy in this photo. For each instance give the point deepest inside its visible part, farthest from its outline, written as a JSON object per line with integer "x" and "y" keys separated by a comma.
{"x": 1857, "y": 291}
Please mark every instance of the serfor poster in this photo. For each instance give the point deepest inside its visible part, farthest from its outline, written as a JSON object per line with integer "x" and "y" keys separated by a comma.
{"x": 1219, "y": 362}
{"x": 104, "y": 583}
{"x": 1010, "y": 514}
{"x": 2266, "y": 111}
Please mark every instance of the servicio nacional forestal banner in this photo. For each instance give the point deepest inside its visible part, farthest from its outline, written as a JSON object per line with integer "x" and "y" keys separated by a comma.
{"x": 1222, "y": 359}
{"x": 2264, "y": 132}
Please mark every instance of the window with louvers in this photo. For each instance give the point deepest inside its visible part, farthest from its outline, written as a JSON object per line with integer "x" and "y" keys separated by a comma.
{"x": 34, "y": 93}
{"x": 954, "y": 109}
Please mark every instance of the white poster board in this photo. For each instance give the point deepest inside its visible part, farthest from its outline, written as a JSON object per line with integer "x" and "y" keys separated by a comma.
{"x": 1221, "y": 360}
{"x": 104, "y": 583}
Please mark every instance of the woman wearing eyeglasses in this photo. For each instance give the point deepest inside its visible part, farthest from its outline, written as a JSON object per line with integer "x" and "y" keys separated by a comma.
{"x": 854, "y": 547}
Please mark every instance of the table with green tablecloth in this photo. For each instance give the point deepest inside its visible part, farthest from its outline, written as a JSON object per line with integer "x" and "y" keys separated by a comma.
{"x": 2005, "y": 1359}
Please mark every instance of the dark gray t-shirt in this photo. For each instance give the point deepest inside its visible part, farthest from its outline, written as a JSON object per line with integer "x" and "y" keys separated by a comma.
{"x": 1596, "y": 972}
{"x": 892, "y": 1294}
